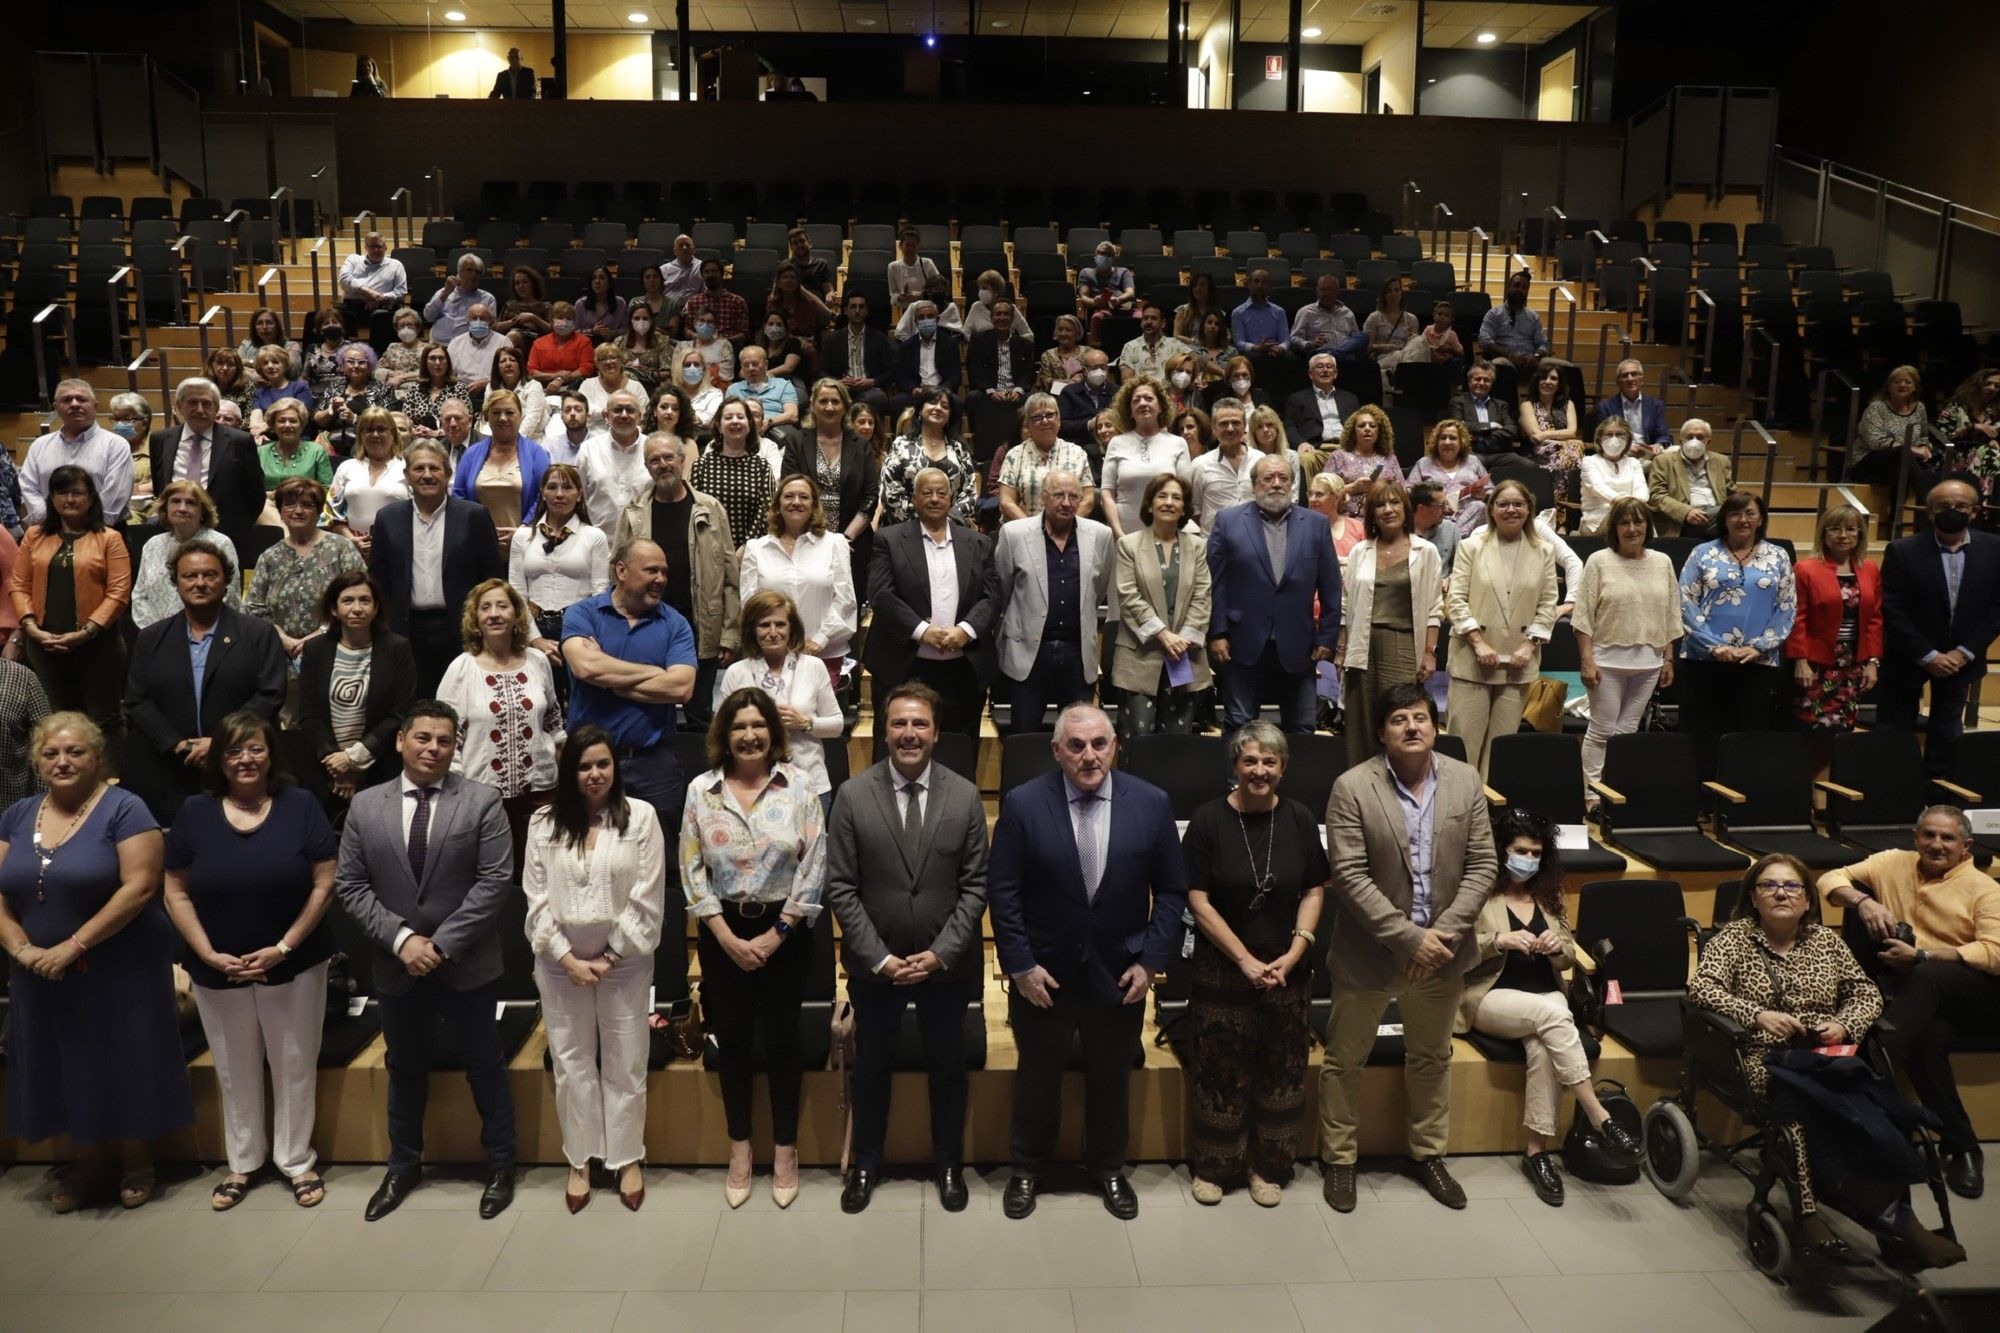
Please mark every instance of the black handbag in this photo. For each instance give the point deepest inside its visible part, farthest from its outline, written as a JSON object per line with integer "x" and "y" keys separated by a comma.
{"x": 1583, "y": 1151}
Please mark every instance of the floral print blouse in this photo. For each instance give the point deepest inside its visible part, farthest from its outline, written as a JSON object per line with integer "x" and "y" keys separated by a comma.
{"x": 154, "y": 596}
{"x": 899, "y": 474}
{"x": 1725, "y": 604}
{"x": 774, "y": 854}
{"x": 288, "y": 582}
{"x": 1351, "y": 467}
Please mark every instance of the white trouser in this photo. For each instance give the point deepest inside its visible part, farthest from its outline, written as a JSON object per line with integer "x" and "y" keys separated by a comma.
{"x": 598, "y": 1043}
{"x": 1617, "y": 706}
{"x": 1548, "y": 1034}
{"x": 246, "y": 1026}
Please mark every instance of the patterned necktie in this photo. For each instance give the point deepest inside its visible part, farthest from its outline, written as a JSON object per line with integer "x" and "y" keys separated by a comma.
{"x": 420, "y": 831}
{"x": 195, "y": 443}
{"x": 913, "y": 813}
{"x": 1087, "y": 804}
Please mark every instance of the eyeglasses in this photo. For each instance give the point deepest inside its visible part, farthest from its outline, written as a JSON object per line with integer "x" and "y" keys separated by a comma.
{"x": 246, "y": 752}
{"x": 1782, "y": 888}
{"x": 1046, "y": 416}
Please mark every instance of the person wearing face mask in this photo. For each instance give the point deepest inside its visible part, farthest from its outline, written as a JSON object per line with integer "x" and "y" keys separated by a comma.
{"x": 562, "y": 358}
{"x": 1610, "y": 474}
{"x": 716, "y": 305}
{"x": 1081, "y": 403}
{"x": 1103, "y": 288}
{"x": 933, "y": 358}
{"x": 132, "y": 422}
{"x": 1517, "y": 988}
{"x": 1239, "y": 381}
{"x": 472, "y": 351}
{"x": 325, "y": 335}
{"x": 704, "y": 395}
{"x": 402, "y": 358}
{"x": 1149, "y": 353}
{"x": 450, "y": 309}
{"x": 1685, "y": 484}
{"x": 647, "y": 349}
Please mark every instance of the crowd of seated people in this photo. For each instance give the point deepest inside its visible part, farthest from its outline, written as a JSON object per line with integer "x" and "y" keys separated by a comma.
{"x": 485, "y": 557}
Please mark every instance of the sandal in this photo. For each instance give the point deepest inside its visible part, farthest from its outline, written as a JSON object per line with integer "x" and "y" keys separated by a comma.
{"x": 305, "y": 1185}
{"x": 224, "y": 1196}
{"x": 135, "y": 1188}
{"x": 74, "y": 1188}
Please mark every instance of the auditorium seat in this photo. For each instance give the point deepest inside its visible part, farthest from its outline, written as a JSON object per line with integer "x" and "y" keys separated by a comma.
{"x": 1652, "y": 804}
{"x": 955, "y": 750}
{"x": 1875, "y": 788}
{"x": 1543, "y": 772}
{"x": 1192, "y": 770}
{"x": 1638, "y": 931}
{"x": 1763, "y": 798}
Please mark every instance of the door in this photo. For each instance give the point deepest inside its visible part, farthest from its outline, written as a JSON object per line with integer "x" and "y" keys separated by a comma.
{"x": 1371, "y": 90}
{"x": 1557, "y": 98}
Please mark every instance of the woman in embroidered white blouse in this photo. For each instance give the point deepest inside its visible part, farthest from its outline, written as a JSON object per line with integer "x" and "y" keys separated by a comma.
{"x": 594, "y": 880}
{"x": 510, "y": 721}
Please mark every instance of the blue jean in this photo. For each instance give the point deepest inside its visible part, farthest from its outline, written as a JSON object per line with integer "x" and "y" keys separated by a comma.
{"x": 1242, "y": 685}
{"x": 1055, "y": 678}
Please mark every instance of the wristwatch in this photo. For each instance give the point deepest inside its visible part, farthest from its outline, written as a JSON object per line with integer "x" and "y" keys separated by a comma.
{"x": 1923, "y": 955}
{"x": 284, "y": 949}
{"x": 783, "y": 927}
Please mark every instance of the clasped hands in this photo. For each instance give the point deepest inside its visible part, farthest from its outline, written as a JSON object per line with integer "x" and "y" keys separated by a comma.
{"x": 420, "y": 957}
{"x": 1528, "y": 942}
{"x": 1036, "y": 985}
{"x": 1434, "y": 950}
{"x": 1271, "y": 975}
{"x": 1947, "y": 664}
{"x": 947, "y": 638}
{"x": 1789, "y": 1027}
{"x": 585, "y": 971}
{"x": 909, "y": 971}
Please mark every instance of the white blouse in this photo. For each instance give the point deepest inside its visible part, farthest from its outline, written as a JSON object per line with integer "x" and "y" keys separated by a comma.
{"x": 154, "y": 596}
{"x": 819, "y": 578}
{"x": 355, "y": 500}
{"x": 1605, "y": 483}
{"x": 612, "y": 896}
{"x": 578, "y": 568}
{"x": 1130, "y": 462}
{"x": 612, "y": 478}
{"x": 804, "y": 684}
{"x": 510, "y": 723}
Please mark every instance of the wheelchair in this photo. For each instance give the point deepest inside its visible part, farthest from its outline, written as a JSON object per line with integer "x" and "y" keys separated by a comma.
{"x": 1674, "y": 1144}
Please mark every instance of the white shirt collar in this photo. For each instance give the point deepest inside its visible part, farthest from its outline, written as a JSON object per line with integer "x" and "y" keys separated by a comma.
{"x": 902, "y": 783}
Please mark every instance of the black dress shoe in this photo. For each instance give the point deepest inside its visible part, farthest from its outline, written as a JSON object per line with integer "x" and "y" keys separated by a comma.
{"x": 1619, "y": 1146}
{"x": 1965, "y": 1173}
{"x": 1437, "y": 1181}
{"x": 1338, "y": 1187}
{"x": 499, "y": 1192}
{"x": 1542, "y": 1174}
{"x": 859, "y": 1189}
{"x": 1019, "y": 1200}
{"x": 389, "y": 1195}
{"x": 1119, "y": 1200}
{"x": 951, "y": 1188}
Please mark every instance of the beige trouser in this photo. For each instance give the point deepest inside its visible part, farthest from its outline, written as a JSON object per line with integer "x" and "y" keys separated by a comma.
{"x": 1555, "y": 1051}
{"x": 1479, "y": 712}
{"x": 1430, "y": 1008}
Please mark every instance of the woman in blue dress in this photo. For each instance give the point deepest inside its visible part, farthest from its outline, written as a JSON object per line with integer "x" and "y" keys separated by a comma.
{"x": 93, "y": 1043}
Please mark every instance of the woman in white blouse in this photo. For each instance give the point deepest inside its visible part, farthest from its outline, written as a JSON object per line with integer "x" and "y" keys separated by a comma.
{"x": 774, "y": 661}
{"x": 510, "y": 722}
{"x": 810, "y": 565}
{"x": 703, "y": 394}
{"x": 361, "y": 486}
{"x": 595, "y": 883}
{"x": 1143, "y": 450}
{"x": 558, "y": 559}
{"x": 1610, "y": 475}
{"x": 611, "y": 378}
{"x": 188, "y": 513}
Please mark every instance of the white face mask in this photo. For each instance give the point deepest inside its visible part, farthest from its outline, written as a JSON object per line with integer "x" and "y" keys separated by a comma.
{"x": 774, "y": 331}
{"x": 987, "y": 296}
{"x": 1242, "y": 388}
{"x": 1693, "y": 448}
{"x": 406, "y": 335}
{"x": 1096, "y": 376}
{"x": 1613, "y": 447}
{"x": 1182, "y": 379}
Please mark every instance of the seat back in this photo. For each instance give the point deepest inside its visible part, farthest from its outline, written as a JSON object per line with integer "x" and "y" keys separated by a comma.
{"x": 1316, "y": 763}
{"x": 1773, "y": 770}
{"x": 1976, "y": 765}
{"x": 1541, "y": 772}
{"x": 1192, "y": 770}
{"x": 1025, "y": 756}
{"x": 1642, "y": 920}
{"x": 1655, "y": 772}
{"x": 1887, "y": 768}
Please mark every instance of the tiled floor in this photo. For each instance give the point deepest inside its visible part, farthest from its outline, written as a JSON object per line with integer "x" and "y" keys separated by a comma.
{"x": 685, "y": 1262}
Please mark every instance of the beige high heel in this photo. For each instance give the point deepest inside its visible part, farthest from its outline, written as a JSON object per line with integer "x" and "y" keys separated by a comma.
{"x": 738, "y": 1195}
{"x": 782, "y": 1195}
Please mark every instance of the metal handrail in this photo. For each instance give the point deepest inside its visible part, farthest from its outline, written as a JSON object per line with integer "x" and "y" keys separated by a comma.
{"x": 1517, "y": 255}
{"x": 1744, "y": 398}
{"x": 312, "y": 262}
{"x": 1559, "y": 216}
{"x": 132, "y": 375}
{"x": 1604, "y": 333}
{"x": 1905, "y": 483}
{"x": 111, "y": 299}
{"x": 1698, "y": 297}
{"x": 1591, "y": 261}
{"x": 1409, "y": 212}
{"x": 285, "y": 221}
{"x": 402, "y": 192}
{"x": 284, "y": 292}
{"x": 1485, "y": 248}
{"x": 1818, "y": 443}
{"x": 368, "y": 213}
{"x": 41, "y": 357}
{"x": 1569, "y": 344}
{"x": 190, "y": 248}
{"x": 437, "y": 191}
{"x": 1441, "y": 207}
{"x": 228, "y": 327}
{"x": 1847, "y": 497}
{"x": 237, "y": 214}
{"x": 1770, "y": 455}
{"x": 1672, "y": 375}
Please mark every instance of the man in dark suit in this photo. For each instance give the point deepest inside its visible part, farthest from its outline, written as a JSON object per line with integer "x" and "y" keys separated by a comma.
{"x": 1001, "y": 371}
{"x": 427, "y": 555}
{"x": 906, "y": 878}
{"x": 516, "y": 82}
{"x": 1081, "y": 402}
{"x": 936, "y": 598}
{"x": 188, "y": 673}
{"x": 1087, "y": 886}
{"x": 934, "y": 358}
{"x": 870, "y": 378}
{"x": 1940, "y": 612}
{"x": 1643, "y": 413}
{"x": 221, "y": 459}
{"x": 1268, "y": 560}
{"x": 425, "y": 862}
{"x": 1317, "y": 414}
{"x": 1495, "y": 427}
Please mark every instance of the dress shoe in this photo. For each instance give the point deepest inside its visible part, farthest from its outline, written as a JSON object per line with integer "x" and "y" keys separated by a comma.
{"x": 389, "y": 1195}
{"x": 1019, "y": 1199}
{"x": 1620, "y": 1147}
{"x": 499, "y": 1192}
{"x": 1338, "y": 1187}
{"x": 951, "y": 1188}
{"x": 1965, "y": 1173}
{"x": 1541, "y": 1172}
{"x": 1119, "y": 1200}
{"x": 1431, "y": 1174}
{"x": 858, "y": 1190}
{"x": 633, "y": 1198}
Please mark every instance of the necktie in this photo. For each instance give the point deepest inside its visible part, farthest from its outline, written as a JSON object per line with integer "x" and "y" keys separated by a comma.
{"x": 195, "y": 443}
{"x": 420, "y": 830}
{"x": 913, "y": 813}
{"x": 1086, "y": 842}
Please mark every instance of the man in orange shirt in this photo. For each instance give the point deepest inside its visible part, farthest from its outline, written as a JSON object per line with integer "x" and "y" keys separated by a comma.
{"x": 1944, "y": 984}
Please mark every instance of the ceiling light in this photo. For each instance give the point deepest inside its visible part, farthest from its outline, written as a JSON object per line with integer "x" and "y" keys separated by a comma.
{"x": 1310, "y": 32}
{"x": 930, "y": 39}
{"x": 454, "y": 16}
{"x": 999, "y": 23}
{"x": 635, "y": 18}
{"x": 1486, "y": 39}
{"x": 1183, "y": 29}
{"x": 865, "y": 23}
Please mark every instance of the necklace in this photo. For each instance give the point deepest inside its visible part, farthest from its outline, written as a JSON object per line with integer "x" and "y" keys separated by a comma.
{"x": 249, "y": 807}
{"x": 1260, "y": 880}
{"x": 44, "y": 851}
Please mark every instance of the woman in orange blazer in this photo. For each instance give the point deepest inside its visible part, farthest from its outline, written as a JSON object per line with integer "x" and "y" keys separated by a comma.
{"x": 1836, "y": 641}
{"x": 70, "y": 586}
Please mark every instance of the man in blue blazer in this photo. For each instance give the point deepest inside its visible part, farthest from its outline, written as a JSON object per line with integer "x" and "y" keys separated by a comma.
{"x": 1645, "y": 414}
{"x": 427, "y": 555}
{"x": 1267, "y": 562}
{"x": 1940, "y": 613}
{"x": 1086, "y": 885}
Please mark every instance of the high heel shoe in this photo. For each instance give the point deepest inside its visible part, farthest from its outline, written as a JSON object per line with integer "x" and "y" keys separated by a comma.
{"x": 782, "y": 1195}
{"x": 633, "y": 1198}
{"x": 576, "y": 1203}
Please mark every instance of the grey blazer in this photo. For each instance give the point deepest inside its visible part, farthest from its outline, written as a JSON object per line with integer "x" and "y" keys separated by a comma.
{"x": 468, "y": 869}
{"x": 1373, "y": 936}
{"x": 1024, "y": 584}
{"x": 893, "y": 898}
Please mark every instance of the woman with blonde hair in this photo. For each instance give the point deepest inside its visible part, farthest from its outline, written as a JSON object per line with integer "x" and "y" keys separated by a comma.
{"x": 774, "y": 659}
{"x": 1609, "y": 475}
{"x": 1501, "y": 603}
{"x": 1835, "y": 645}
{"x": 1367, "y": 454}
{"x": 503, "y": 472}
{"x": 371, "y": 479}
{"x": 188, "y": 513}
{"x": 1461, "y": 479}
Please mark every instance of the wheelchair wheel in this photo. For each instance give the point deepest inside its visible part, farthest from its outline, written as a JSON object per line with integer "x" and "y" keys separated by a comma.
{"x": 1673, "y": 1153}
{"x": 1770, "y": 1243}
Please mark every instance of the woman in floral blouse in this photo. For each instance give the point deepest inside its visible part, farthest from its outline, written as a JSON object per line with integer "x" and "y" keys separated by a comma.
{"x": 292, "y": 576}
{"x": 1367, "y": 454}
{"x": 934, "y": 443}
{"x": 1738, "y": 603}
{"x": 753, "y": 867}
{"x": 188, "y": 513}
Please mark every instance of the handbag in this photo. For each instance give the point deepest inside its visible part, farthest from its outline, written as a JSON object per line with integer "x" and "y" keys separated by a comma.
{"x": 681, "y": 1026}
{"x": 1544, "y": 708}
{"x": 1583, "y": 1151}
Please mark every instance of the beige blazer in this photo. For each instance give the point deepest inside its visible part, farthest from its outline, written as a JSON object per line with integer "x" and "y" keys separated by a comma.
{"x": 1373, "y": 936}
{"x": 1490, "y": 926}
{"x": 1139, "y": 584}
{"x": 712, "y": 566}
{"x": 1357, "y": 581}
{"x": 1667, "y": 486}
{"x": 1478, "y": 598}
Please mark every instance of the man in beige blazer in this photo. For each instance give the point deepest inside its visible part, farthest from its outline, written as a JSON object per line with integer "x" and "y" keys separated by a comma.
{"x": 1413, "y": 861}
{"x": 1686, "y": 484}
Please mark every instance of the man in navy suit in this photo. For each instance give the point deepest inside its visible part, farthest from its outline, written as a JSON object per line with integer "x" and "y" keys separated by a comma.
{"x": 427, "y": 555}
{"x": 1940, "y": 611}
{"x": 1645, "y": 414}
{"x": 933, "y": 359}
{"x": 1267, "y": 561}
{"x": 222, "y": 460}
{"x": 1086, "y": 886}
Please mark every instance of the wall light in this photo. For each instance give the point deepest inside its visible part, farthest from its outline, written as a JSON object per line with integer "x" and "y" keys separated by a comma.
{"x": 930, "y": 39}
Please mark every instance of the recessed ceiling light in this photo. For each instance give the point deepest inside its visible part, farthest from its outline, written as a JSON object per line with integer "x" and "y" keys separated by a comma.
{"x": 1183, "y": 29}
{"x": 1309, "y": 32}
{"x": 454, "y": 16}
{"x": 1486, "y": 39}
{"x": 864, "y": 23}
{"x": 1086, "y": 92}
{"x": 635, "y": 18}
{"x": 999, "y": 23}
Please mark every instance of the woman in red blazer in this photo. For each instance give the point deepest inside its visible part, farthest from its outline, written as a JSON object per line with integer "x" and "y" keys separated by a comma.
{"x": 1836, "y": 641}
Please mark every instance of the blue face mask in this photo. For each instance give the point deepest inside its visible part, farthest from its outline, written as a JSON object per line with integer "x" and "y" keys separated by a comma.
{"x": 1521, "y": 868}
{"x": 704, "y": 330}
{"x": 927, "y": 327}
{"x": 127, "y": 429}
{"x": 691, "y": 374}
{"x": 479, "y": 328}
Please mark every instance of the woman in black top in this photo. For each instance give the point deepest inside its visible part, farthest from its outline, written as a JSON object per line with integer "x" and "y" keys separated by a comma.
{"x": 355, "y": 683}
{"x": 1517, "y": 990}
{"x": 249, "y": 876}
{"x": 1257, "y": 875}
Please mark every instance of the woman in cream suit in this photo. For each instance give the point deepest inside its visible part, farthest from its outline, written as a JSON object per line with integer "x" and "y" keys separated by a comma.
{"x": 1502, "y": 606}
{"x": 1161, "y": 580}
{"x": 1393, "y": 585}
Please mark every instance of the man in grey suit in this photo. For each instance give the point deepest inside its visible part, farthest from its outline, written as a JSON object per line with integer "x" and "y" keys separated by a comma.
{"x": 424, "y": 864}
{"x": 1055, "y": 570}
{"x": 906, "y": 878}
{"x": 1413, "y": 863}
